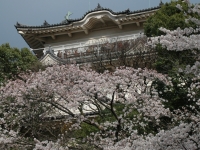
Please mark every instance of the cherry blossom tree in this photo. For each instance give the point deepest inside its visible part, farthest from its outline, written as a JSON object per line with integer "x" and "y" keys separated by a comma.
{"x": 76, "y": 92}
{"x": 124, "y": 109}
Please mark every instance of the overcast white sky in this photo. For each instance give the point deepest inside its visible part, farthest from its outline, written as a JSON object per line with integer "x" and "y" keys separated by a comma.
{"x": 34, "y": 12}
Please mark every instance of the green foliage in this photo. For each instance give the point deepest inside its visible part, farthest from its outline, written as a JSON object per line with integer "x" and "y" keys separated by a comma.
{"x": 169, "y": 62}
{"x": 168, "y": 16}
{"x": 28, "y": 58}
{"x": 85, "y": 130}
{"x": 14, "y": 61}
{"x": 176, "y": 94}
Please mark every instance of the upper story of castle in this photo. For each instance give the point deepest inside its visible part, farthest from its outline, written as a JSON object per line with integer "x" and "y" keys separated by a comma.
{"x": 97, "y": 26}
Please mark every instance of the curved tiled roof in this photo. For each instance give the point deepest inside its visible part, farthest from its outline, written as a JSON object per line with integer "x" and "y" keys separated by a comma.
{"x": 98, "y": 8}
{"x": 54, "y": 57}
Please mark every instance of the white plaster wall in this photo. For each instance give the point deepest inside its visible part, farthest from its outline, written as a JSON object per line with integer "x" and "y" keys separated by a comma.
{"x": 81, "y": 39}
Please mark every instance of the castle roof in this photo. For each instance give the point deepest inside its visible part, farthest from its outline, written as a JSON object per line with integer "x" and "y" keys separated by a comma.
{"x": 35, "y": 36}
{"x": 97, "y": 9}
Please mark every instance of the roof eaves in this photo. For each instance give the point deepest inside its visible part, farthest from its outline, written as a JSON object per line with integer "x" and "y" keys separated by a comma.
{"x": 99, "y": 8}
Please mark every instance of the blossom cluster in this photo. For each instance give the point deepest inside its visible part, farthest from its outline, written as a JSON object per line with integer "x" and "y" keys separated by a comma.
{"x": 181, "y": 39}
{"x": 124, "y": 106}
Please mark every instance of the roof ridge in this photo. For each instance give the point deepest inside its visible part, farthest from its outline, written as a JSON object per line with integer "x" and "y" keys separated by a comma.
{"x": 98, "y": 8}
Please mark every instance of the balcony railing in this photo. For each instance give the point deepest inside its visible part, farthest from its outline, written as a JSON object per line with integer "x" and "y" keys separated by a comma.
{"x": 105, "y": 51}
